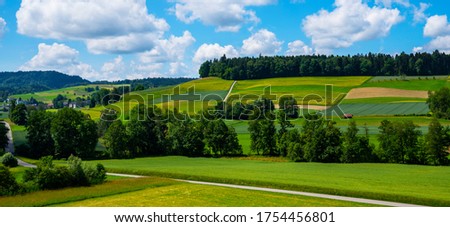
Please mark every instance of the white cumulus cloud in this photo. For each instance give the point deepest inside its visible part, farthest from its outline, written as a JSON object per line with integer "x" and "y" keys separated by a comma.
{"x": 298, "y": 48}
{"x": 2, "y": 26}
{"x": 263, "y": 42}
{"x": 225, "y": 15}
{"x": 106, "y": 26}
{"x": 113, "y": 70}
{"x": 438, "y": 28}
{"x": 170, "y": 51}
{"x": 351, "y": 21}
{"x": 59, "y": 57}
{"x": 214, "y": 51}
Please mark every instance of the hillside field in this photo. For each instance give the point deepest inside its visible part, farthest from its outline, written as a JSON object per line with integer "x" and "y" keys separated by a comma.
{"x": 69, "y": 92}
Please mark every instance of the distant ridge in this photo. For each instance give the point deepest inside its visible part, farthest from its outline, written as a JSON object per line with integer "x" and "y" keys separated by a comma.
{"x": 35, "y": 81}
{"x": 21, "y": 82}
{"x": 49, "y": 79}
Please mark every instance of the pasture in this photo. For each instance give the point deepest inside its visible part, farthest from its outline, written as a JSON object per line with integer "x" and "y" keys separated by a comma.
{"x": 426, "y": 185}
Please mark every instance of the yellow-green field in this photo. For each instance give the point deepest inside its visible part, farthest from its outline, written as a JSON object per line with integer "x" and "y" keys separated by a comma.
{"x": 299, "y": 87}
{"x": 160, "y": 192}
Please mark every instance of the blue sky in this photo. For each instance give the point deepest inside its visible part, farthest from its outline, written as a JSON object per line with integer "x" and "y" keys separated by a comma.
{"x": 120, "y": 39}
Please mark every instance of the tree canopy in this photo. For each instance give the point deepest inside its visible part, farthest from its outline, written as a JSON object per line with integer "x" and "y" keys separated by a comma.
{"x": 327, "y": 65}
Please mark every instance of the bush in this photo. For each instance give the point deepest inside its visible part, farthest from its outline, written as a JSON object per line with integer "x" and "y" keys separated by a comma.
{"x": 48, "y": 176}
{"x": 9, "y": 160}
{"x": 8, "y": 184}
{"x": 95, "y": 175}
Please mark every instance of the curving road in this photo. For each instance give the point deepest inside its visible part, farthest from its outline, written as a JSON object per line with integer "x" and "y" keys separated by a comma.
{"x": 309, "y": 194}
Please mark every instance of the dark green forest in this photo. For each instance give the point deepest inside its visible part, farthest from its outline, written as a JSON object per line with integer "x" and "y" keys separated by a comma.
{"x": 35, "y": 81}
{"x": 327, "y": 65}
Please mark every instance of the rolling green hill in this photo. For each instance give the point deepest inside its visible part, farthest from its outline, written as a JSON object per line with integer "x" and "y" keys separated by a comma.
{"x": 398, "y": 98}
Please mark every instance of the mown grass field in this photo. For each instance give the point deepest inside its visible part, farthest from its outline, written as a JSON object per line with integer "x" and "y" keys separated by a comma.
{"x": 404, "y": 183}
{"x": 159, "y": 192}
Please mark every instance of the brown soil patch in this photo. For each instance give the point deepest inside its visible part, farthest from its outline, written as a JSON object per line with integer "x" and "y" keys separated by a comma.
{"x": 375, "y": 92}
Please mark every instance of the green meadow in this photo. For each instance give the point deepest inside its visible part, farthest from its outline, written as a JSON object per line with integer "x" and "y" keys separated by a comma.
{"x": 428, "y": 84}
{"x": 425, "y": 185}
{"x": 160, "y": 192}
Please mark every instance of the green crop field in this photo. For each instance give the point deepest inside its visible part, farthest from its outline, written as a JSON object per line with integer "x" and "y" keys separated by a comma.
{"x": 385, "y": 108}
{"x": 429, "y": 84}
{"x": 158, "y": 192}
{"x": 404, "y": 183}
{"x": 382, "y": 100}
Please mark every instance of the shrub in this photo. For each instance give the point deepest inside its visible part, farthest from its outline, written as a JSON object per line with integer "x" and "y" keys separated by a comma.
{"x": 49, "y": 176}
{"x": 53, "y": 178}
{"x": 8, "y": 184}
{"x": 9, "y": 160}
{"x": 95, "y": 175}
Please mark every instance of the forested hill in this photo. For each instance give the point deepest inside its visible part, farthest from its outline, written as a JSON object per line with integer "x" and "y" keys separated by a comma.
{"x": 34, "y": 81}
{"x": 322, "y": 65}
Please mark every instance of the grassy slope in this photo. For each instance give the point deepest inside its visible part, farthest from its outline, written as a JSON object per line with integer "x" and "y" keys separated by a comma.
{"x": 395, "y": 105}
{"x": 157, "y": 192}
{"x": 404, "y": 183}
{"x": 299, "y": 87}
{"x": 414, "y": 84}
{"x": 207, "y": 87}
{"x": 70, "y": 93}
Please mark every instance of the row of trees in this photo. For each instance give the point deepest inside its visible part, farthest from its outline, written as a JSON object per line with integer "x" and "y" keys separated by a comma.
{"x": 146, "y": 134}
{"x": 323, "y": 65}
{"x": 321, "y": 141}
{"x": 67, "y": 132}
